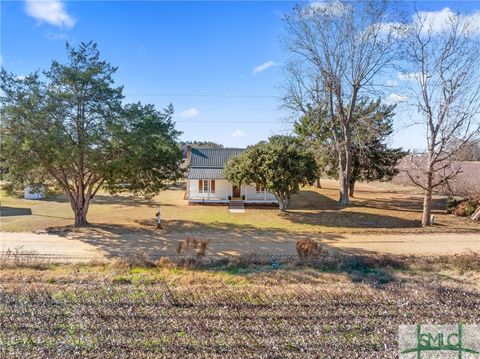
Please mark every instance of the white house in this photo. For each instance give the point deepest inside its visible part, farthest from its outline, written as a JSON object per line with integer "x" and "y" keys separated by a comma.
{"x": 30, "y": 193}
{"x": 206, "y": 184}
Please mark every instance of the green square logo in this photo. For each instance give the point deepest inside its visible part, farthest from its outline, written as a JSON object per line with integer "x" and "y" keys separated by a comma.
{"x": 439, "y": 341}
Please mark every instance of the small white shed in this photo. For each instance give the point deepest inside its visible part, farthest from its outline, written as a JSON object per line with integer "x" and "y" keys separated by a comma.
{"x": 30, "y": 193}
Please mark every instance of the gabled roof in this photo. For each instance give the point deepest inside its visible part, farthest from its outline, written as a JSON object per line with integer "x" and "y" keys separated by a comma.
{"x": 209, "y": 163}
{"x": 212, "y": 158}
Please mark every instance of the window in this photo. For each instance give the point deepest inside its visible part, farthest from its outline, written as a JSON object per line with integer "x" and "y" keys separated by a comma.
{"x": 206, "y": 186}
{"x": 259, "y": 188}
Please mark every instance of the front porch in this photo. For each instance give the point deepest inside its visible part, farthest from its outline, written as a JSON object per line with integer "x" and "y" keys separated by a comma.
{"x": 222, "y": 192}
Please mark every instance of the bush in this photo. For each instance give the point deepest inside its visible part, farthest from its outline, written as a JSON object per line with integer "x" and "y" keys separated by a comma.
{"x": 191, "y": 247}
{"x": 452, "y": 203}
{"x": 467, "y": 207}
{"x": 139, "y": 259}
{"x": 310, "y": 251}
{"x": 165, "y": 262}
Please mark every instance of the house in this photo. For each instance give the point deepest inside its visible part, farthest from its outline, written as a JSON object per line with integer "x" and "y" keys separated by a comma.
{"x": 206, "y": 184}
{"x": 31, "y": 193}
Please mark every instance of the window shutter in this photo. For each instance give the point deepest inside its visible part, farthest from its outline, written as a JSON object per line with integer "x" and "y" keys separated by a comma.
{"x": 200, "y": 186}
{"x": 212, "y": 186}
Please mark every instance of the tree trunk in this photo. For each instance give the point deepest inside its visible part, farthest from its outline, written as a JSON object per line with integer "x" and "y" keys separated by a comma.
{"x": 352, "y": 187}
{"x": 318, "y": 184}
{"x": 427, "y": 201}
{"x": 80, "y": 202}
{"x": 344, "y": 169}
{"x": 283, "y": 203}
{"x": 343, "y": 199}
{"x": 343, "y": 180}
{"x": 80, "y": 219}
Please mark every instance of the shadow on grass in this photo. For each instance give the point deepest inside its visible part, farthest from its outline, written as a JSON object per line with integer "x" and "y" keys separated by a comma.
{"x": 308, "y": 199}
{"x": 102, "y": 199}
{"x": 373, "y": 269}
{"x": 224, "y": 240}
{"x": 132, "y": 201}
{"x": 349, "y": 219}
{"x": 409, "y": 204}
{"x": 14, "y": 211}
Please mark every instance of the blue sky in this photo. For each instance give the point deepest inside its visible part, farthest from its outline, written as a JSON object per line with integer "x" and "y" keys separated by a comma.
{"x": 219, "y": 63}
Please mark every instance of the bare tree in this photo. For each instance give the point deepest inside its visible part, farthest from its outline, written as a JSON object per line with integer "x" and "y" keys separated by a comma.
{"x": 442, "y": 70}
{"x": 338, "y": 50}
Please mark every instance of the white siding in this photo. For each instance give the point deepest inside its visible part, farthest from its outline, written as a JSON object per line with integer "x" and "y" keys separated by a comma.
{"x": 223, "y": 189}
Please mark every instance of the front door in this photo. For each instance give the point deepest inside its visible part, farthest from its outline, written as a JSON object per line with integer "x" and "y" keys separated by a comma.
{"x": 235, "y": 191}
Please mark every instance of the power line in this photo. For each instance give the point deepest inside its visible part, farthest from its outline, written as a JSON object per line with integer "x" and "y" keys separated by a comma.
{"x": 200, "y": 95}
{"x": 234, "y": 122}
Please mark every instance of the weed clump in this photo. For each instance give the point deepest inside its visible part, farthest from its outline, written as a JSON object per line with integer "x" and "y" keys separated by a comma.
{"x": 191, "y": 247}
{"x": 310, "y": 251}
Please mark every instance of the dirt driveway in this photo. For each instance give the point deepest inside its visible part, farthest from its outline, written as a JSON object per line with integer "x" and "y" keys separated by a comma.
{"x": 97, "y": 244}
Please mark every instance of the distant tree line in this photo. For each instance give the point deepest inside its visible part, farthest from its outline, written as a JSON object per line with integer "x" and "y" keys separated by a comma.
{"x": 199, "y": 144}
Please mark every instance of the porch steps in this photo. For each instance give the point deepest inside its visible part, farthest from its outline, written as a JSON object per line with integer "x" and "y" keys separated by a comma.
{"x": 236, "y": 206}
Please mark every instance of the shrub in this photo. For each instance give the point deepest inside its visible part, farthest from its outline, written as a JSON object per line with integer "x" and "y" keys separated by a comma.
{"x": 141, "y": 259}
{"x": 189, "y": 262}
{"x": 138, "y": 259}
{"x": 165, "y": 262}
{"x": 191, "y": 247}
{"x": 452, "y": 203}
{"x": 467, "y": 207}
{"x": 309, "y": 250}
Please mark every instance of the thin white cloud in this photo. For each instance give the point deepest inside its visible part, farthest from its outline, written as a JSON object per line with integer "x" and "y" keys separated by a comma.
{"x": 438, "y": 21}
{"x": 191, "y": 112}
{"x": 238, "y": 133}
{"x": 50, "y": 11}
{"x": 433, "y": 22}
{"x": 395, "y": 98}
{"x": 263, "y": 67}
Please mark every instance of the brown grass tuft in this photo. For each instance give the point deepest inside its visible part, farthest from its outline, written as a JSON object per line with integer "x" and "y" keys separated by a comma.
{"x": 309, "y": 250}
{"x": 192, "y": 247}
{"x": 165, "y": 262}
{"x": 138, "y": 259}
{"x": 19, "y": 257}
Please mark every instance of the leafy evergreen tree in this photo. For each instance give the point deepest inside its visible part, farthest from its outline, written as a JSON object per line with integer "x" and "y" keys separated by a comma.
{"x": 280, "y": 165}
{"x": 372, "y": 159}
{"x": 67, "y": 126}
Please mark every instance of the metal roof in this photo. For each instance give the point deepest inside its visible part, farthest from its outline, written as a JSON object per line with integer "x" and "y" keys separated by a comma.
{"x": 207, "y": 173}
{"x": 212, "y": 158}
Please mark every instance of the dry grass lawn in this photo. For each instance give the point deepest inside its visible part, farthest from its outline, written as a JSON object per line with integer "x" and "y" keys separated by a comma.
{"x": 114, "y": 310}
{"x": 377, "y": 207}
